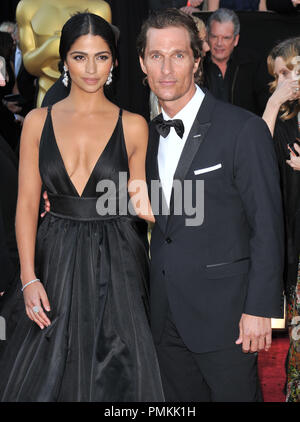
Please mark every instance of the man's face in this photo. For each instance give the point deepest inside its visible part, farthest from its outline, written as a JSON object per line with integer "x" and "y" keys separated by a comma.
{"x": 170, "y": 64}
{"x": 222, "y": 41}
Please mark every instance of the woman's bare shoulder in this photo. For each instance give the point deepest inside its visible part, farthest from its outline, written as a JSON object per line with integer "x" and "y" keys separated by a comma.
{"x": 134, "y": 124}
{"x": 37, "y": 115}
{"x": 34, "y": 122}
{"x": 135, "y": 130}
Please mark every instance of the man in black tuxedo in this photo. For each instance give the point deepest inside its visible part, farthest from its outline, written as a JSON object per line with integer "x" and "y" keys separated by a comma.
{"x": 216, "y": 275}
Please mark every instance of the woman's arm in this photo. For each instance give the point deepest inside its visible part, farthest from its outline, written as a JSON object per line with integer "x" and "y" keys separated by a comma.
{"x": 288, "y": 90}
{"x": 136, "y": 137}
{"x": 29, "y": 191}
{"x": 213, "y": 5}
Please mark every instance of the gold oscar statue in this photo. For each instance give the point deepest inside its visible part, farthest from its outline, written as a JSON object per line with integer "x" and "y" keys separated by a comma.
{"x": 40, "y": 23}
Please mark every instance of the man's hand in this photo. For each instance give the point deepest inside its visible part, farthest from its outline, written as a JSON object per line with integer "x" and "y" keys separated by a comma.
{"x": 12, "y": 106}
{"x": 47, "y": 204}
{"x": 255, "y": 333}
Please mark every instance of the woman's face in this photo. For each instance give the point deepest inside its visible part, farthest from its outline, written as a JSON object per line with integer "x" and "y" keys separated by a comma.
{"x": 283, "y": 72}
{"x": 89, "y": 61}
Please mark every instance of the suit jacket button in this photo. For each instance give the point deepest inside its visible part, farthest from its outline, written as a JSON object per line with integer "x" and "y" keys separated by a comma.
{"x": 168, "y": 240}
{"x": 163, "y": 272}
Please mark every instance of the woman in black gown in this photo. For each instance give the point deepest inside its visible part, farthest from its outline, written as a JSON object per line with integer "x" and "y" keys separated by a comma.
{"x": 85, "y": 335}
{"x": 282, "y": 114}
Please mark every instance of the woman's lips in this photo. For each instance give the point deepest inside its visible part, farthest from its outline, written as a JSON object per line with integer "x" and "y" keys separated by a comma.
{"x": 90, "y": 81}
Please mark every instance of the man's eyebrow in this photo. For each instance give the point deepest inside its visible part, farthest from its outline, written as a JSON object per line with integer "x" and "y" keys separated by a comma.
{"x": 179, "y": 50}
{"x": 224, "y": 36}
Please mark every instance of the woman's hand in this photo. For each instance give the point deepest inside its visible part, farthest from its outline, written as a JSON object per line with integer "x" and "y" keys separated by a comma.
{"x": 294, "y": 161}
{"x": 35, "y": 297}
{"x": 288, "y": 90}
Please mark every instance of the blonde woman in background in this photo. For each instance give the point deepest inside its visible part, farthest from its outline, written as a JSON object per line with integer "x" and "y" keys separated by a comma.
{"x": 282, "y": 115}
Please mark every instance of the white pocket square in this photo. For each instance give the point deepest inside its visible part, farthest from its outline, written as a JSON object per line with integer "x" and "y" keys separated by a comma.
{"x": 207, "y": 169}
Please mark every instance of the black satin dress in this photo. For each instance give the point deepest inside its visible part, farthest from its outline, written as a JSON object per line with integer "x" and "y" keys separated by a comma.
{"x": 95, "y": 271}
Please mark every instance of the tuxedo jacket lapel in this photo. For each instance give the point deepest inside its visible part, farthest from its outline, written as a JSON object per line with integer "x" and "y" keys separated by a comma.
{"x": 195, "y": 138}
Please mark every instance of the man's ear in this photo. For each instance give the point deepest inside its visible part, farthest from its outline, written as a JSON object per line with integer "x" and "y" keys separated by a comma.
{"x": 236, "y": 41}
{"x": 142, "y": 65}
{"x": 196, "y": 64}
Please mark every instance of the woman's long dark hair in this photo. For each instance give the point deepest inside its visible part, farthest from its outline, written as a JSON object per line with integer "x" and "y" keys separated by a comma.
{"x": 83, "y": 24}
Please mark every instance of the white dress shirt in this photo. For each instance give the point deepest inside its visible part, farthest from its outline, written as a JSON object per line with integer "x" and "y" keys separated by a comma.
{"x": 170, "y": 148}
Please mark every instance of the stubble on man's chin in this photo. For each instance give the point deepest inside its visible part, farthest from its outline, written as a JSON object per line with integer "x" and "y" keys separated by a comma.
{"x": 179, "y": 96}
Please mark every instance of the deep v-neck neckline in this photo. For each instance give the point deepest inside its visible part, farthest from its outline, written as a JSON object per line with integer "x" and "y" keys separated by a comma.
{"x": 97, "y": 161}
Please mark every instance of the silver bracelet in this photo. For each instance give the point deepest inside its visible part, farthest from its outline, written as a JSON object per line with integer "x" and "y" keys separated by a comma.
{"x": 30, "y": 282}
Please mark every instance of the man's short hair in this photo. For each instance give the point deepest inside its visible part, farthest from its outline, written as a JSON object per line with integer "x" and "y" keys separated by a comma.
{"x": 164, "y": 19}
{"x": 225, "y": 15}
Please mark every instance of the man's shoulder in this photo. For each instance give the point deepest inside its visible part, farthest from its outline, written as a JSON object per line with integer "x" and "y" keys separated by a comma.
{"x": 232, "y": 110}
{"x": 224, "y": 111}
{"x": 231, "y": 121}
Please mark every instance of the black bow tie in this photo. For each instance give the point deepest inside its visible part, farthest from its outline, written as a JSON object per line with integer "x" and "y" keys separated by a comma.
{"x": 163, "y": 126}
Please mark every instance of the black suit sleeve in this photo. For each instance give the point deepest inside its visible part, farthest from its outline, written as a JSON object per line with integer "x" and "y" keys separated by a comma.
{"x": 257, "y": 180}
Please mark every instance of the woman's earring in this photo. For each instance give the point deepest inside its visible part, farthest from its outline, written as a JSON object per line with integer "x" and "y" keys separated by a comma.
{"x": 65, "y": 80}
{"x": 109, "y": 79}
